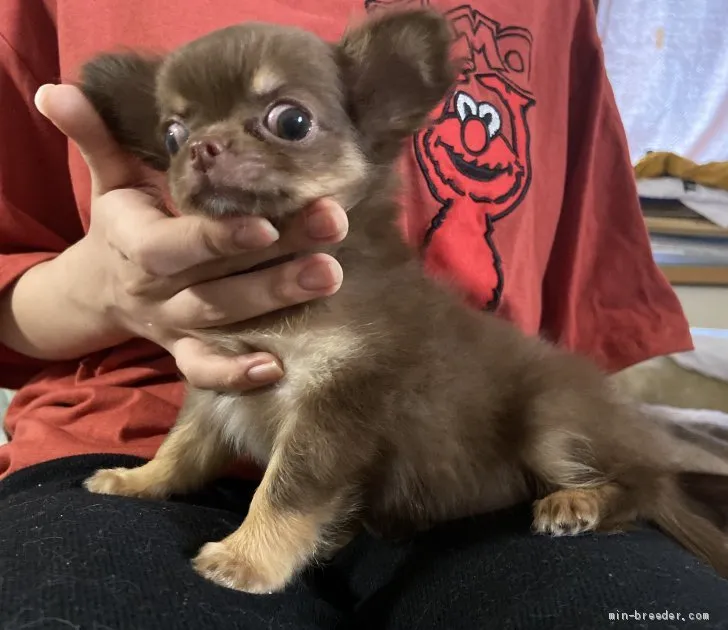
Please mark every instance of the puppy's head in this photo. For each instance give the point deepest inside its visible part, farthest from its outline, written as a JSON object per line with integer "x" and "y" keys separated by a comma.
{"x": 263, "y": 119}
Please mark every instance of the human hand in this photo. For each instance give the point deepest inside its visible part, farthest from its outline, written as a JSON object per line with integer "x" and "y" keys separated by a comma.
{"x": 162, "y": 277}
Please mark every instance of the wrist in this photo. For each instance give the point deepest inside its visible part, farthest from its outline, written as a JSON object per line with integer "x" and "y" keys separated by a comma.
{"x": 88, "y": 291}
{"x": 58, "y": 309}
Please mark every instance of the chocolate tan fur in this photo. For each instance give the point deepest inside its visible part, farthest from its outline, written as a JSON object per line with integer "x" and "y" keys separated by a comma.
{"x": 400, "y": 407}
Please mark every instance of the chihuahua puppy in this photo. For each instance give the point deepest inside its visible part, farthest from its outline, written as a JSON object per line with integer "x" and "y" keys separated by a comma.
{"x": 400, "y": 407}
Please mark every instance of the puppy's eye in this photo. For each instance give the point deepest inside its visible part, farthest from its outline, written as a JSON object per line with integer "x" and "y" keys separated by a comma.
{"x": 289, "y": 122}
{"x": 175, "y": 137}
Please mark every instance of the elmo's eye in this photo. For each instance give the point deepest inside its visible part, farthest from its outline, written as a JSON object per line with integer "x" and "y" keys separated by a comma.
{"x": 289, "y": 122}
{"x": 175, "y": 137}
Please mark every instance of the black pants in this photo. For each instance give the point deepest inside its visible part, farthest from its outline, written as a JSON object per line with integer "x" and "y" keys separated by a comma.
{"x": 71, "y": 559}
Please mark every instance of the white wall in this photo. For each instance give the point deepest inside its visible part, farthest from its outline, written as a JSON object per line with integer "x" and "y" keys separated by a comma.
{"x": 705, "y": 307}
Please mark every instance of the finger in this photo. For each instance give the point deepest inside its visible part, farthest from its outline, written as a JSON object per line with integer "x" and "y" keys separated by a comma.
{"x": 242, "y": 297}
{"x": 324, "y": 222}
{"x": 165, "y": 246}
{"x": 69, "y": 110}
{"x": 206, "y": 370}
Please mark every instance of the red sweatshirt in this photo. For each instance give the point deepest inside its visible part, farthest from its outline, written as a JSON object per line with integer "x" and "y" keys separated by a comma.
{"x": 520, "y": 191}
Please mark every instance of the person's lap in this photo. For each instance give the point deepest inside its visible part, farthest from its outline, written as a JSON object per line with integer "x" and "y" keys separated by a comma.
{"x": 72, "y": 559}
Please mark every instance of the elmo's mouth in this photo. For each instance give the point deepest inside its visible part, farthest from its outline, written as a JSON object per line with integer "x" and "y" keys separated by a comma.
{"x": 472, "y": 170}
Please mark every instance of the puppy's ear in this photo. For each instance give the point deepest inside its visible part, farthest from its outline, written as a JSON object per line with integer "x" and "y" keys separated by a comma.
{"x": 121, "y": 87}
{"x": 395, "y": 68}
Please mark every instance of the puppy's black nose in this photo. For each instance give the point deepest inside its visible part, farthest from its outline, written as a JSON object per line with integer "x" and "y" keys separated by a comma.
{"x": 203, "y": 153}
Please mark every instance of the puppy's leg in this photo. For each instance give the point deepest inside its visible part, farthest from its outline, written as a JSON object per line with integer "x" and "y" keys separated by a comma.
{"x": 588, "y": 485}
{"x": 193, "y": 453}
{"x": 580, "y": 493}
{"x": 602, "y": 468}
{"x": 585, "y": 479}
{"x": 307, "y": 494}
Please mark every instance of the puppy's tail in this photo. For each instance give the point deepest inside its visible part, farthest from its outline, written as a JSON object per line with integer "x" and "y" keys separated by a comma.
{"x": 693, "y": 509}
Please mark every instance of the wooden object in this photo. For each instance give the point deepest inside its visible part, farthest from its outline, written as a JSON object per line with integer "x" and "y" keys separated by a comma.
{"x": 690, "y": 251}
{"x": 696, "y": 275}
{"x": 685, "y": 227}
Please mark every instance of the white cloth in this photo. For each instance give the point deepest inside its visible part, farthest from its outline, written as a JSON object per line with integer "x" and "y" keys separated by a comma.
{"x": 689, "y": 416}
{"x": 710, "y": 203}
{"x": 5, "y": 397}
{"x": 710, "y": 356}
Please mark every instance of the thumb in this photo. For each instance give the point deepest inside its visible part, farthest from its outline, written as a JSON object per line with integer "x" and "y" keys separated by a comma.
{"x": 69, "y": 110}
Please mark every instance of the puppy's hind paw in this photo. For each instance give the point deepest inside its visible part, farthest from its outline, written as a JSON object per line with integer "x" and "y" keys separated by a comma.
{"x": 567, "y": 512}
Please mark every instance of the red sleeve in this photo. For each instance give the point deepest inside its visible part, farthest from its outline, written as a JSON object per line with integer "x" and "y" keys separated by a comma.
{"x": 603, "y": 294}
{"x": 38, "y": 215}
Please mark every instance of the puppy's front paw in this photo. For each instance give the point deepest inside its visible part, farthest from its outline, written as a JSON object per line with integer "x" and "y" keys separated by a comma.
{"x": 222, "y": 564}
{"x": 126, "y": 482}
{"x": 567, "y": 512}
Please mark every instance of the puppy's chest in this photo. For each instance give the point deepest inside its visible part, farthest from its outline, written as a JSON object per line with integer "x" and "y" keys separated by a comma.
{"x": 312, "y": 359}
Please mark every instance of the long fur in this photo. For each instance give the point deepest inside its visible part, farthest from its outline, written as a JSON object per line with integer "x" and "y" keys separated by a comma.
{"x": 400, "y": 407}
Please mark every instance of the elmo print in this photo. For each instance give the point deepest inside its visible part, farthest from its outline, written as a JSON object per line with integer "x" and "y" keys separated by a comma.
{"x": 475, "y": 154}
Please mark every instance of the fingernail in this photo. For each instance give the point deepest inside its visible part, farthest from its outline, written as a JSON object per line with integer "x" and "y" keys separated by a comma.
{"x": 256, "y": 235}
{"x": 323, "y": 224}
{"x": 318, "y": 275}
{"x": 39, "y": 92}
{"x": 265, "y": 372}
